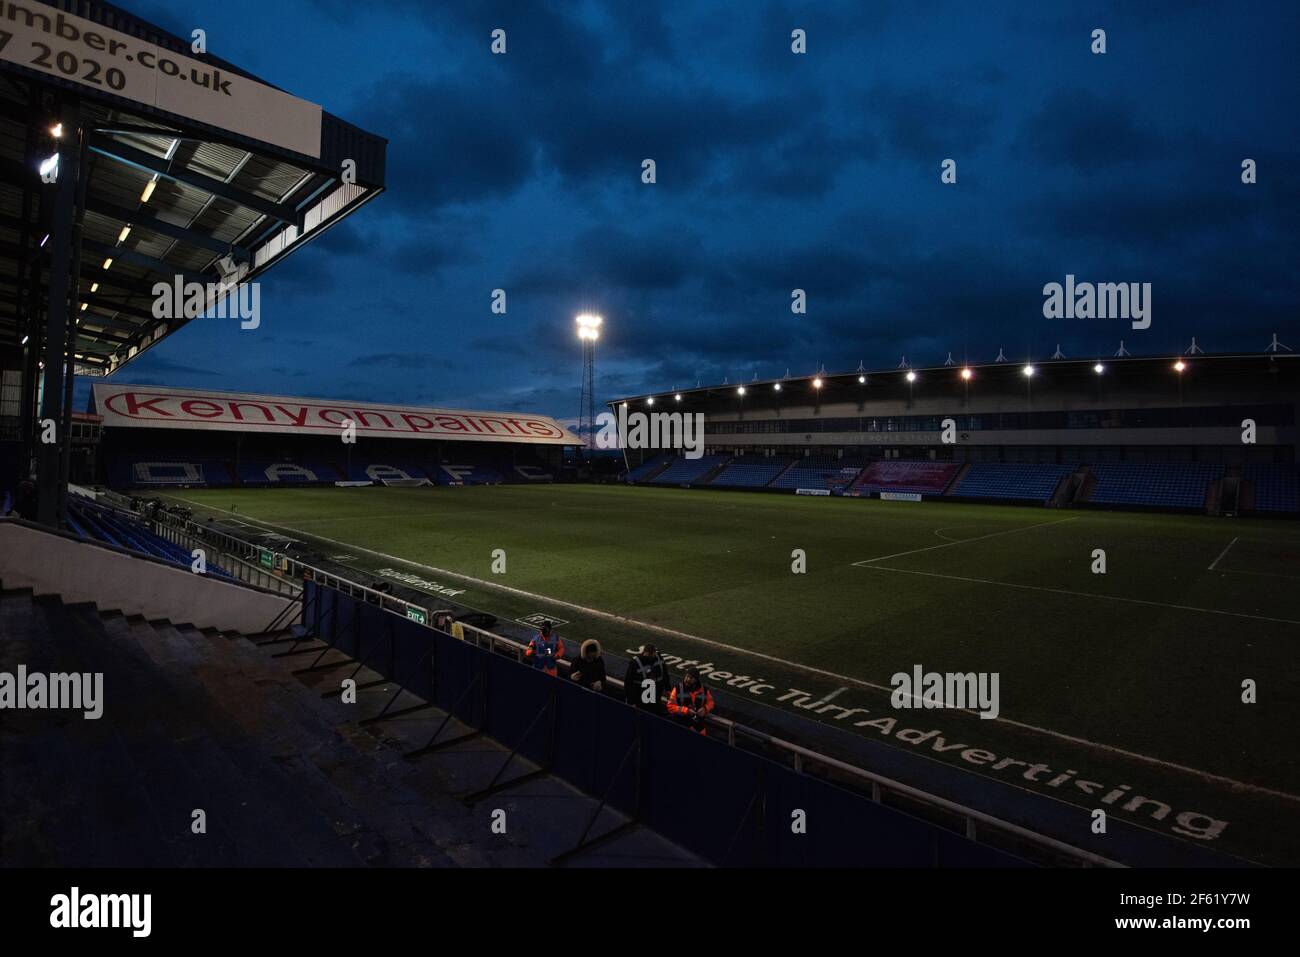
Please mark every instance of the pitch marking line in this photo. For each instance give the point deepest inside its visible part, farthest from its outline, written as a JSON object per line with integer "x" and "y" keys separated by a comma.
{"x": 1085, "y": 594}
{"x": 809, "y": 669}
{"x": 964, "y": 541}
{"x": 1222, "y": 553}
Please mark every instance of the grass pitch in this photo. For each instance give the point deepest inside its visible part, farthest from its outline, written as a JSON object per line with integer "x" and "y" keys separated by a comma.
{"x": 1134, "y": 673}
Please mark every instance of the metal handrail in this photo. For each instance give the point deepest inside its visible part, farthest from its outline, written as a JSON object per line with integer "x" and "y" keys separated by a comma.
{"x": 801, "y": 756}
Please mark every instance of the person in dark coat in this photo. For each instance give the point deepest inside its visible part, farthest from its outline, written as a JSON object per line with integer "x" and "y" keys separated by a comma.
{"x": 589, "y": 669}
{"x": 646, "y": 681}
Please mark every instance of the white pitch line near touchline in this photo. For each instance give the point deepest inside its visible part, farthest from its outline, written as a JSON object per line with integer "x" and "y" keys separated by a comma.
{"x": 808, "y": 669}
{"x": 1086, "y": 594}
{"x": 963, "y": 541}
{"x": 1222, "y": 553}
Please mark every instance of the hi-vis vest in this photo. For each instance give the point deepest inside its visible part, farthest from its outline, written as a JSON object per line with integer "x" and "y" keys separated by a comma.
{"x": 545, "y": 649}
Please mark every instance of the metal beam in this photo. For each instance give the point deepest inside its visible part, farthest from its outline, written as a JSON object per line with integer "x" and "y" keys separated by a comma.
{"x": 164, "y": 269}
{"x": 106, "y": 146}
{"x": 145, "y": 219}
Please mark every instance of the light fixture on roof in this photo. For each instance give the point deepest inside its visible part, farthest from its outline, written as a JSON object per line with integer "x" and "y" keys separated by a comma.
{"x": 24, "y": 342}
{"x": 1028, "y": 371}
{"x": 83, "y": 307}
{"x": 108, "y": 262}
{"x": 1099, "y": 368}
{"x": 56, "y": 130}
{"x": 740, "y": 390}
{"x": 966, "y": 373}
{"x": 817, "y": 383}
{"x": 678, "y": 397}
{"x": 911, "y": 376}
{"x": 589, "y": 326}
{"x": 1180, "y": 365}
{"x": 650, "y": 401}
{"x": 50, "y": 169}
{"x": 862, "y": 380}
{"x": 148, "y": 189}
{"x": 126, "y": 231}
{"x": 776, "y": 387}
{"x": 94, "y": 287}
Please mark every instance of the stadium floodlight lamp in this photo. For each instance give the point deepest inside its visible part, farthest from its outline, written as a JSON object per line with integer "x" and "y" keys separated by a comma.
{"x": 740, "y": 390}
{"x": 966, "y": 374}
{"x": 776, "y": 387}
{"x": 1028, "y": 371}
{"x": 911, "y": 376}
{"x": 1099, "y": 368}
{"x": 862, "y": 380}
{"x": 650, "y": 401}
{"x": 1180, "y": 365}
{"x": 148, "y": 190}
{"x": 678, "y": 397}
{"x": 108, "y": 262}
{"x": 817, "y": 383}
{"x": 589, "y": 326}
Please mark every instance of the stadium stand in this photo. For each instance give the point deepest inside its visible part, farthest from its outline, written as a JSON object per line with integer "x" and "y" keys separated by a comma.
{"x": 386, "y": 471}
{"x": 650, "y": 468}
{"x": 924, "y": 478}
{"x": 1011, "y": 481}
{"x": 1166, "y": 484}
{"x": 750, "y": 471}
{"x": 169, "y": 470}
{"x": 465, "y": 472}
{"x": 817, "y": 471}
{"x": 102, "y": 524}
{"x": 272, "y": 472}
{"x": 1276, "y": 486}
{"x": 684, "y": 471}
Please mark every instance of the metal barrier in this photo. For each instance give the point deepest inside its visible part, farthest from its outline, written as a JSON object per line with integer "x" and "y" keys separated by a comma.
{"x": 978, "y": 827}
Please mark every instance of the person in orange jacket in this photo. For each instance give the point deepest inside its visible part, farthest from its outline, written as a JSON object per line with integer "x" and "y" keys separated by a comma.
{"x": 691, "y": 701}
{"x": 545, "y": 650}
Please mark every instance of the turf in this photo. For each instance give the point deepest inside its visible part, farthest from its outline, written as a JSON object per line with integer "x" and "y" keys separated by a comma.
{"x": 1148, "y": 657}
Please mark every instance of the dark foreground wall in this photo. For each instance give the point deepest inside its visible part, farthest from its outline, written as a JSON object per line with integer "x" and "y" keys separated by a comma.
{"x": 729, "y": 806}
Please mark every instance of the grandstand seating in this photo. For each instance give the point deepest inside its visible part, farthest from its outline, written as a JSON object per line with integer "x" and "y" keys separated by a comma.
{"x": 750, "y": 471}
{"x": 1277, "y": 488}
{"x": 114, "y": 527}
{"x": 163, "y": 470}
{"x": 464, "y": 472}
{"x": 684, "y": 471}
{"x": 925, "y": 478}
{"x": 279, "y": 472}
{"x": 649, "y": 467}
{"x": 1022, "y": 481}
{"x": 1167, "y": 484}
{"x": 386, "y": 469}
{"x": 817, "y": 471}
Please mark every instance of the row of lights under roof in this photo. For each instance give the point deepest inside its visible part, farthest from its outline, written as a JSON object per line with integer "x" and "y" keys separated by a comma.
{"x": 1028, "y": 371}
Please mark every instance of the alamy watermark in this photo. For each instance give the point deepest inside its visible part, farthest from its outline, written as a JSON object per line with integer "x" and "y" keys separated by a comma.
{"x": 975, "y": 691}
{"x": 35, "y": 691}
{"x": 651, "y": 430}
{"x": 1102, "y": 300}
{"x": 179, "y": 299}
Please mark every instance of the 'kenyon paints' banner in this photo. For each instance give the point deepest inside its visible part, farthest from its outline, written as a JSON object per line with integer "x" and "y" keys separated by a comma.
{"x": 156, "y": 407}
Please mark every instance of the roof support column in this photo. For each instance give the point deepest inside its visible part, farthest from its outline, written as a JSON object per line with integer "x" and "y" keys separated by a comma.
{"x": 58, "y": 316}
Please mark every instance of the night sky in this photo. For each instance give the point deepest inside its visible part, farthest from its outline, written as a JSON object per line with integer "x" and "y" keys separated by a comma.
{"x": 775, "y": 171}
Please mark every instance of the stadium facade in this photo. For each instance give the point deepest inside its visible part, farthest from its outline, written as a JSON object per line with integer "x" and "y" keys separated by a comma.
{"x": 1198, "y": 433}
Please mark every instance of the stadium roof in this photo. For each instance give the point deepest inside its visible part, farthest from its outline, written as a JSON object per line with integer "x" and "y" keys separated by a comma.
{"x": 847, "y": 386}
{"x": 155, "y": 407}
{"x": 217, "y": 174}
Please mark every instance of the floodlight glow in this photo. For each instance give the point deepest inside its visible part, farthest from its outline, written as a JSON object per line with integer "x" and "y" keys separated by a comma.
{"x": 1028, "y": 371}
{"x": 911, "y": 376}
{"x": 50, "y": 168}
{"x": 740, "y": 391}
{"x": 777, "y": 387}
{"x": 1099, "y": 368}
{"x": 678, "y": 397}
{"x": 817, "y": 383}
{"x": 589, "y": 326}
{"x": 126, "y": 231}
{"x": 148, "y": 190}
{"x": 1180, "y": 365}
{"x": 56, "y": 130}
{"x": 650, "y": 401}
{"x": 966, "y": 374}
{"x": 862, "y": 380}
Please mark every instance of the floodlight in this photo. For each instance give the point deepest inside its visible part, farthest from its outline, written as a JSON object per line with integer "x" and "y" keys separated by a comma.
{"x": 817, "y": 383}
{"x": 1028, "y": 371}
{"x": 740, "y": 390}
{"x": 650, "y": 401}
{"x": 589, "y": 326}
{"x": 966, "y": 374}
{"x": 911, "y": 376}
{"x": 1180, "y": 365}
{"x": 777, "y": 387}
{"x": 1099, "y": 368}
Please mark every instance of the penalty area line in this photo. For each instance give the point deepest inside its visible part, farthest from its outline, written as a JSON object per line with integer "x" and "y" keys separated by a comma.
{"x": 808, "y": 669}
{"x": 963, "y": 541}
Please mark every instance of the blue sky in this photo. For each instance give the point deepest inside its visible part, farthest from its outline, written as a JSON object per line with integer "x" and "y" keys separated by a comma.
{"x": 819, "y": 171}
